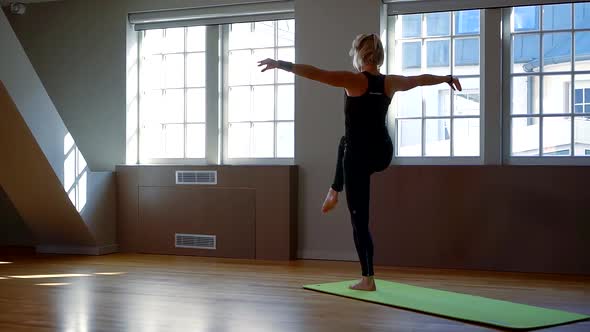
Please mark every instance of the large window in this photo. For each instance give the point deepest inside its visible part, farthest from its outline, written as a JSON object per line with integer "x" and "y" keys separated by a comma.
{"x": 184, "y": 115}
{"x": 172, "y": 94}
{"x": 259, "y": 121}
{"x": 433, "y": 121}
{"x": 549, "y": 80}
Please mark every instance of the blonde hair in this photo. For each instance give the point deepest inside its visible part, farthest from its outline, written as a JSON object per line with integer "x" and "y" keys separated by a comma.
{"x": 367, "y": 49}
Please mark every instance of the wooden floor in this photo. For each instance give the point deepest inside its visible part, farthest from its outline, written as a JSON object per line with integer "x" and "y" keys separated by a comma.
{"x": 128, "y": 292}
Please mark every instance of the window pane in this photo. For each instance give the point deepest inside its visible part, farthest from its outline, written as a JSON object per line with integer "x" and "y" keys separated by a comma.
{"x": 285, "y": 140}
{"x": 466, "y": 56}
{"x": 467, "y": 22}
{"x": 240, "y": 36}
{"x": 195, "y": 105}
{"x": 557, "y": 17}
{"x": 582, "y": 15}
{"x": 264, "y": 103}
{"x": 525, "y": 19}
{"x": 151, "y": 73}
{"x": 195, "y": 70}
{"x": 263, "y": 139}
{"x": 438, "y": 24}
{"x": 286, "y": 33}
{"x": 467, "y": 102}
{"x": 582, "y": 136}
{"x": 466, "y": 137}
{"x": 286, "y": 54}
{"x": 259, "y": 77}
{"x": 556, "y": 94}
{"x": 411, "y": 26}
{"x": 525, "y": 95}
{"x": 240, "y": 65}
{"x": 409, "y": 103}
{"x": 173, "y": 107}
{"x": 579, "y": 95}
{"x": 239, "y": 104}
{"x": 436, "y": 100}
{"x": 557, "y": 51}
{"x": 238, "y": 140}
{"x": 525, "y": 136}
{"x": 174, "y": 41}
{"x": 437, "y": 53}
{"x": 264, "y": 34}
{"x": 409, "y": 138}
{"x": 70, "y": 170}
{"x": 151, "y": 42}
{"x": 438, "y": 137}
{"x": 557, "y": 136}
{"x": 196, "y": 39}
{"x": 525, "y": 53}
{"x": 173, "y": 140}
{"x": 195, "y": 141}
{"x": 286, "y": 102}
{"x": 174, "y": 70}
{"x": 582, "y": 47}
{"x": 151, "y": 107}
{"x": 151, "y": 138}
{"x": 411, "y": 55}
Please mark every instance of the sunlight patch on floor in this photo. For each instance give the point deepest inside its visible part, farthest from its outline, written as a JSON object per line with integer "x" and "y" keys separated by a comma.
{"x": 54, "y": 284}
{"x": 44, "y": 276}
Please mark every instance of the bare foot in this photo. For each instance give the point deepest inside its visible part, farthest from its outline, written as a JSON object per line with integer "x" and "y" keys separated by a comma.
{"x": 331, "y": 201}
{"x": 365, "y": 284}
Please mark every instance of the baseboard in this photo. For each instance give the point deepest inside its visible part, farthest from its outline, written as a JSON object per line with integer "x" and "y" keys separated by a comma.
{"x": 78, "y": 250}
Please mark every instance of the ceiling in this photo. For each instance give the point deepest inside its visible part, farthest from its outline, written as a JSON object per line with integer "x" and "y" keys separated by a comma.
{"x": 7, "y": 2}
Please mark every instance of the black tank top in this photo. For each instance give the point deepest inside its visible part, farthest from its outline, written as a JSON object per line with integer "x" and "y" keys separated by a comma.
{"x": 365, "y": 115}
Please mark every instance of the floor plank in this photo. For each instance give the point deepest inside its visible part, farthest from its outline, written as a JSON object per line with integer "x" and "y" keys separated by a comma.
{"x": 133, "y": 292}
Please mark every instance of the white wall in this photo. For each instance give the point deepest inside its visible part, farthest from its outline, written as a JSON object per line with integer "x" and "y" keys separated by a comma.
{"x": 54, "y": 217}
{"x": 323, "y": 36}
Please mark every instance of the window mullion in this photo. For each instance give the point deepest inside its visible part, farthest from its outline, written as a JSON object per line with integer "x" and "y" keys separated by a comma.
{"x": 573, "y": 83}
{"x": 490, "y": 89}
{"x": 184, "y": 125}
{"x": 212, "y": 97}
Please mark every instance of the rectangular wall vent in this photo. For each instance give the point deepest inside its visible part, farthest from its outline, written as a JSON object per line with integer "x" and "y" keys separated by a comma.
{"x": 196, "y": 241}
{"x": 196, "y": 177}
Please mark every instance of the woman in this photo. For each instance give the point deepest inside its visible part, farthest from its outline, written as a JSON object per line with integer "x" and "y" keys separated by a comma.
{"x": 366, "y": 147}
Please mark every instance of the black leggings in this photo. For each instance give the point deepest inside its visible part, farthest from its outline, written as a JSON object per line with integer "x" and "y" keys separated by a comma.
{"x": 354, "y": 169}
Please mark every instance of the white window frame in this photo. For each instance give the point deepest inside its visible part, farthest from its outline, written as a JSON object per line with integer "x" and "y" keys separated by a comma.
{"x": 225, "y": 108}
{"x": 216, "y": 102}
{"x": 448, "y": 160}
{"x": 208, "y": 88}
{"x": 507, "y": 92}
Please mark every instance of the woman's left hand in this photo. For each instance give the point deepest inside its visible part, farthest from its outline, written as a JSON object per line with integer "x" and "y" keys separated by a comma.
{"x": 455, "y": 84}
{"x": 269, "y": 63}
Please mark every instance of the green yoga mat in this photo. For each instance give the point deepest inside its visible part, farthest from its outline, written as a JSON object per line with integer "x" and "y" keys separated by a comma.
{"x": 454, "y": 305}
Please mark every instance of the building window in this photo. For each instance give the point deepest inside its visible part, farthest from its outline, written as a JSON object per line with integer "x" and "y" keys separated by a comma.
{"x": 259, "y": 119}
{"x": 432, "y": 121}
{"x": 582, "y": 100}
{"x": 549, "y": 80}
{"x": 257, "y": 108}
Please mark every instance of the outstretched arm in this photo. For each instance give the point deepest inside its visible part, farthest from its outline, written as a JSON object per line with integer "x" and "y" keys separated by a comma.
{"x": 341, "y": 79}
{"x": 404, "y": 83}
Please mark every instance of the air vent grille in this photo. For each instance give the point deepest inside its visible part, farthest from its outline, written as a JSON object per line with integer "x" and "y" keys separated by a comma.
{"x": 196, "y": 241}
{"x": 196, "y": 177}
